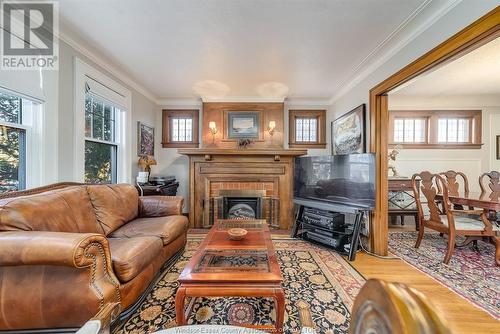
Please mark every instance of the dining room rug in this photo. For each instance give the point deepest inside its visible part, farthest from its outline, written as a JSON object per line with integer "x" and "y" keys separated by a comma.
{"x": 320, "y": 277}
{"x": 471, "y": 273}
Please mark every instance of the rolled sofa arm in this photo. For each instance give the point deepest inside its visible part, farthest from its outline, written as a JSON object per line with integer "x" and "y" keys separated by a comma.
{"x": 74, "y": 267}
{"x": 160, "y": 206}
{"x": 50, "y": 248}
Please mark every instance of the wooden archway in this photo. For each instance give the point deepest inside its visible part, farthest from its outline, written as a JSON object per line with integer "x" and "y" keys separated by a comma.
{"x": 478, "y": 33}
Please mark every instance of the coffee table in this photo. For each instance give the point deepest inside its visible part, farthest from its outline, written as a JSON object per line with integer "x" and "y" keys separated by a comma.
{"x": 226, "y": 268}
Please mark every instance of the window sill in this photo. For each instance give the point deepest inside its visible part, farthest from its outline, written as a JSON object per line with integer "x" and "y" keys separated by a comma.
{"x": 180, "y": 145}
{"x": 307, "y": 145}
{"x": 438, "y": 146}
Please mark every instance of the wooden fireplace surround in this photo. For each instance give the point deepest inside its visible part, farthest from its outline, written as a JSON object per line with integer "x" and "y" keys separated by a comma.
{"x": 212, "y": 170}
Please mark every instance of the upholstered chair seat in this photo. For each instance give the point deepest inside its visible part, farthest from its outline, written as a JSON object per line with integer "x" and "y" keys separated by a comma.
{"x": 465, "y": 223}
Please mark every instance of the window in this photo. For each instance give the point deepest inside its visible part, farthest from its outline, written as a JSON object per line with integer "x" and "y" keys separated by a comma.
{"x": 15, "y": 115}
{"x": 453, "y": 130}
{"x": 307, "y": 128}
{"x": 435, "y": 128}
{"x": 410, "y": 130}
{"x": 180, "y": 128}
{"x": 103, "y": 128}
{"x": 100, "y": 140}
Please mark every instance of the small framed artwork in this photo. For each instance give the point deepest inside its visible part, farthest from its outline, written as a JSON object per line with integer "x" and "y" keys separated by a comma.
{"x": 348, "y": 132}
{"x": 498, "y": 147}
{"x": 145, "y": 139}
{"x": 243, "y": 125}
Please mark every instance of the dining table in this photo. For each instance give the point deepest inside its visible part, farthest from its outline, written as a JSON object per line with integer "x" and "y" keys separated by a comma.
{"x": 488, "y": 202}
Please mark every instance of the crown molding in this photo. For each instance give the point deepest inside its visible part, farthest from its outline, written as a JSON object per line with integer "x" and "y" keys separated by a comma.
{"x": 65, "y": 36}
{"x": 307, "y": 102}
{"x": 417, "y": 22}
{"x": 180, "y": 102}
{"x": 243, "y": 99}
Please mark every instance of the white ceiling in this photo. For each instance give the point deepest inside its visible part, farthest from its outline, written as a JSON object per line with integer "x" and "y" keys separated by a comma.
{"x": 476, "y": 73}
{"x": 236, "y": 48}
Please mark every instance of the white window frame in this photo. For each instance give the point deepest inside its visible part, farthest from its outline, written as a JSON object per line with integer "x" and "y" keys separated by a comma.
{"x": 32, "y": 121}
{"x": 122, "y": 99}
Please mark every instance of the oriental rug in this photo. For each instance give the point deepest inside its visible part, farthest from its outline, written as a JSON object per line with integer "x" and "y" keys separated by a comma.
{"x": 311, "y": 273}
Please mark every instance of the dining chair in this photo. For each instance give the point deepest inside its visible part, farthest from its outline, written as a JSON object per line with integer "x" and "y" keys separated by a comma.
{"x": 451, "y": 177}
{"x": 493, "y": 187}
{"x": 450, "y": 221}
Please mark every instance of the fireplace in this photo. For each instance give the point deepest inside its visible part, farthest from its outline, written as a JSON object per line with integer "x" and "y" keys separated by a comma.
{"x": 242, "y": 204}
{"x": 258, "y": 179}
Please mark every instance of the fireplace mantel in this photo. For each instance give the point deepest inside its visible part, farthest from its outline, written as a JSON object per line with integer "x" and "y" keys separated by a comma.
{"x": 214, "y": 169}
{"x": 246, "y": 151}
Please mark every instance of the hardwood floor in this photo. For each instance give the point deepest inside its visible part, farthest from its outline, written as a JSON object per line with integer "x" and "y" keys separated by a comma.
{"x": 461, "y": 316}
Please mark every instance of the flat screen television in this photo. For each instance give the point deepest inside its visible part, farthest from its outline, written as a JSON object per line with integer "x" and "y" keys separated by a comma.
{"x": 342, "y": 179}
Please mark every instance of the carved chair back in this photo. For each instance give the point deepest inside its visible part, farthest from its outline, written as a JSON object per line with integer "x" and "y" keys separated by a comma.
{"x": 453, "y": 184}
{"x": 493, "y": 187}
{"x": 430, "y": 186}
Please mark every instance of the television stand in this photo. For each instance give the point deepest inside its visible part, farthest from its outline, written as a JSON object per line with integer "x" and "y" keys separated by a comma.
{"x": 332, "y": 224}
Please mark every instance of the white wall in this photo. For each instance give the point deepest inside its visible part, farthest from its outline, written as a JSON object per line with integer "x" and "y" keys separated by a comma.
{"x": 143, "y": 109}
{"x": 459, "y": 17}
{"x": 472, "y": 162}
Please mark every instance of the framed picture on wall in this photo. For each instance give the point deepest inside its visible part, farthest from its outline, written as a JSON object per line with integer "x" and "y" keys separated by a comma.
{"x": 243, "y": 125}
{"x": 348, "y": 132}
{"x": 145, "y": 139}
{"x": 498, "y": 147}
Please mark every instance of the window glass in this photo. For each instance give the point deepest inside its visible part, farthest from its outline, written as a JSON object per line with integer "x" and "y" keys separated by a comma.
{"x": 306, "y": 129}
{"x": 100, "y": 162}
{"x": 453, "y": 130}
{"x": 10, "y": 108}
{"x": 12, "y": 143}
{"x": 100, "y": 141}
{"x": 182, "y": 129}
{"x": 410, "y": 130}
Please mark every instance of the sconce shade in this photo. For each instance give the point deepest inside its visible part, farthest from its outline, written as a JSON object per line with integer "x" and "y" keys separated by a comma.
{"x": 272, "y": 125}
{"x": 211, "y": 125}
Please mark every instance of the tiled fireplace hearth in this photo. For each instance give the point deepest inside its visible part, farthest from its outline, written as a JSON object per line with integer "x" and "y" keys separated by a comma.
{"x": 241, "y": 184}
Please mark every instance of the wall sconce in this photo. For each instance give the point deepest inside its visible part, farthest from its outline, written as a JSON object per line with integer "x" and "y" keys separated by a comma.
{"x": 213, "y": 130}
{"x": 271, "y": 128}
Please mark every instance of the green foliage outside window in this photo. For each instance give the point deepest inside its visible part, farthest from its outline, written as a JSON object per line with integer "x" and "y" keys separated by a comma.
{"x": 11, "y": 144}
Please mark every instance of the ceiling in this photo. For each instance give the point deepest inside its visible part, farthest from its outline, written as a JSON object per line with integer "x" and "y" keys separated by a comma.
{"x": 476, "y": 73}
{"x": 236, "y": 48}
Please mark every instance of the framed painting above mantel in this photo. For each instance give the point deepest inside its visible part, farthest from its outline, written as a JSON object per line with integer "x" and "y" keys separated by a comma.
{"x": 242, "y": 125}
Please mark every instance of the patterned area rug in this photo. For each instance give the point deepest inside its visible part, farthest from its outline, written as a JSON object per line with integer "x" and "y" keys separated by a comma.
{"x": 471, "y": 274}
{"x": 320, "y": 277}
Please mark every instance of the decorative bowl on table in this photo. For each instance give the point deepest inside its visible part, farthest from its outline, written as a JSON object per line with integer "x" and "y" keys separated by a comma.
{"x": 237, "y": 233}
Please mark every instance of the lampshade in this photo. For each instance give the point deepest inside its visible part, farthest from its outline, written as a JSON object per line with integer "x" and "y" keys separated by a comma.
{"x": 272, "y": 125}
{"x": 211, "y": 125}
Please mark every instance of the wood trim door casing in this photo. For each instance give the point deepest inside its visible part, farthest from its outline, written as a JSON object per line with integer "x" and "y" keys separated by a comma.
{"x": 167, "y": 114}
{"x": 320, "y": 115}
{"x": 478, "y": 33}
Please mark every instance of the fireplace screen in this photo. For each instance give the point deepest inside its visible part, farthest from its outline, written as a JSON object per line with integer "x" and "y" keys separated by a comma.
{"x": 233, "y": 207}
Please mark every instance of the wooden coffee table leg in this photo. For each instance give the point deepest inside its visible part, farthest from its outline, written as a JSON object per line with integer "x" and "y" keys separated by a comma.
{"x": 180, "y": 299}
{"x": 279, "y": 297}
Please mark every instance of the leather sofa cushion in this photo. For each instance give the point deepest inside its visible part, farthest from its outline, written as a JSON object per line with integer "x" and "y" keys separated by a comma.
{"x": 130, "y": 256}
{"x": 114, "y": 204}
{"x": 62, "y": 210}
{"x": 165, "y": 228}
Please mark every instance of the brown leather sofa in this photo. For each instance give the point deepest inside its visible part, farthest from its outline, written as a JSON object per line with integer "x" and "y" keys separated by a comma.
{"x": 67, "y": 252}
